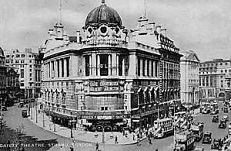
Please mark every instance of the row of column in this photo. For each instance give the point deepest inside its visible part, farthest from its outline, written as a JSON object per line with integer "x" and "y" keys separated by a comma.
{"x": 113, "y": 65}
{"x": 148, "y": 67}
{"x": 57, "y": 68}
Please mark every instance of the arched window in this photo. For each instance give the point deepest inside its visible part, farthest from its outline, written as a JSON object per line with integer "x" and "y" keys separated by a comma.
{"x": 140, "y": 96}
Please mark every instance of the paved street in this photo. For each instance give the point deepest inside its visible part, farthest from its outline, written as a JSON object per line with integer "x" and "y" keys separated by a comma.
{"x": 35, "y": 134}
{"x": 213, "y": 127}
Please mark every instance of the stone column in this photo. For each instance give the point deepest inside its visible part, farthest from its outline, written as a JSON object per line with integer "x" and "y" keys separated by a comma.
{"x": 90, "y": 65}
{"x": 60, "y": 67}
{"x": 56, "y": 68}
{"x": 109, "y": 65}
{"x": 65, "y": 67}
{"x": 150, "y": 68}
{"x": 123, "y": 67}
{"x": 117, "y": 65}
{"x": 93, "y": 64}
{"x": 98, "y": 65}
{"x": 114, "y": 64}
{"x": 132, "y": 65}
{"x": 146, "y": 67}
{"x": 141, "y": 67}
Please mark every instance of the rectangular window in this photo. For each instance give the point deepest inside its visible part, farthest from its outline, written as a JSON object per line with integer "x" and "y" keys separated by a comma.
{"x": 143, "y": 67}
{"x": 156, "y": 64}
{"x": 62, "y": 61}
{"x": 87, "y": 65}
{"x": 152, "y": 74}
{"x": 120, "y": 65}
{"x": 58, "y": 66}
{"x": 138, "y": 67}
{"x": 147, "y": 67}
{"x": 68, "y": 67}
{"x": 22, "y": 73}
{"x": 103, "y": 65}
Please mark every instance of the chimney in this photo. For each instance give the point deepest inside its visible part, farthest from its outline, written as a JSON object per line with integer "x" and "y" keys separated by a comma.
{"x": 158, "y": 28}
{"x": 164, "y": 32}
{"x": 78, "y": 36}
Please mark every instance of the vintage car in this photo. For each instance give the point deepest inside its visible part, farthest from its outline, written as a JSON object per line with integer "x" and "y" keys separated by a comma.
{"x": 24, "y": 113}
{"x": 215, "y": 111}
{"x": 199, "y": 148}
{"x": 206, "y": 110}
{"x": 226, "y": 118}
{"x": 4, "y": 108}
{"x": 21, "y": 104}
{"x": 207, "y": 139}
{"x": 215, "y": 119}
{"x": 222, "y": 124}
{"x": 217, "y": 144}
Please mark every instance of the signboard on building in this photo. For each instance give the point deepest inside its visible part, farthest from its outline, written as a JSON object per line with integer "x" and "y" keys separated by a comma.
{"x": 105, "y": 85}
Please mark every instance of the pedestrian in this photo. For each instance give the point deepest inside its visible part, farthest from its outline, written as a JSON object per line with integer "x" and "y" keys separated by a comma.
{"x": 97, "y": 146}
{"x": 133, "y": 136}
{"x": 150, "y": 140}
{"x": 116, "y": 140}
{"x": 71, "y": 148}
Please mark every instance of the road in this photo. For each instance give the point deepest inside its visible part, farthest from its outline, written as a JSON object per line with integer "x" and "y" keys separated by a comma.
{"x": 50, "y": 141}
{"x": 213, "y": 127}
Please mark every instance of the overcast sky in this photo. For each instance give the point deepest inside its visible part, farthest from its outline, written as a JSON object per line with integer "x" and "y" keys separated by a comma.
{"x": 199, "y": 25}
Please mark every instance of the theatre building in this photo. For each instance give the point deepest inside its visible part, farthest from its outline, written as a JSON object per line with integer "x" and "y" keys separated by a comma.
{"x": 105, "y": 76}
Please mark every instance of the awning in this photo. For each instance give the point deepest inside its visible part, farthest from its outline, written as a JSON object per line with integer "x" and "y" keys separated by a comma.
{"x": 87, "y": 124}
{"x": 119, "y": 124}
{"x": 136, "y": 121}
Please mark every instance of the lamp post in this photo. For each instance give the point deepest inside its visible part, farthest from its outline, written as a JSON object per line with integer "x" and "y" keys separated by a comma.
{"x": 43, "y": 117}
{"x": 36, "y": 111}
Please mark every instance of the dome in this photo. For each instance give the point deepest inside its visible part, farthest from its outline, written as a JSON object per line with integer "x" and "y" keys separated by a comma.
{"x": 103, "y": 15}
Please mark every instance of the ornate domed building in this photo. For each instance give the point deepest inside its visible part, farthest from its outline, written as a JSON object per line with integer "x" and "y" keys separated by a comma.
{"x": 106, "y": 74}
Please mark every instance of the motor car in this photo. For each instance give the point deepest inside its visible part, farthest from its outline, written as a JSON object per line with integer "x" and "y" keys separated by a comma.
{"x": 222, "y": 124}
{"x": 21, "y": 104}
{"x": 24, "y": 113}
{"x": 207, "y": 139}
{"x": 199, "y": 148}
{"x": 225, "y": 110}
{"x": 4, "y": 108}
{"x": 205, "y": 111}
{"x": 217, "y": 144}
{"x": 215, "y": 119}
{"x": 215, "y": 111}
{"x": 226, "y": 118}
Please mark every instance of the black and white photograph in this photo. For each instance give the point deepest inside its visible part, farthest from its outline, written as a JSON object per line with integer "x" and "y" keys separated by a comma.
{"x": 115, "y": 75}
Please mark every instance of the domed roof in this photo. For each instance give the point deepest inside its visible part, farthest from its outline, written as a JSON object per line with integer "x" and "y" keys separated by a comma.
{"x": 103, "y": 15}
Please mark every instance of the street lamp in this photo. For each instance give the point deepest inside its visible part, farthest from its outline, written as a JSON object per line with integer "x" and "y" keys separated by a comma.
{"x": 72, "y": 122}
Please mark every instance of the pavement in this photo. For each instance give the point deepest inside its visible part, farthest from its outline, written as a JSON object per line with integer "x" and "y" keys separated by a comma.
{"x": 80, "y": 134}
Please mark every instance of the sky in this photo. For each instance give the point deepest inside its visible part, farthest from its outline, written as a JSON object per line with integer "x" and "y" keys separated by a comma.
{"x": 203, "y": 26}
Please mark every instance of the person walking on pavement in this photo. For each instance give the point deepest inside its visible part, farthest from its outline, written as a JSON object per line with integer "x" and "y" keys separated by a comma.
{"x": 149, "y": 140}
{"x": 116, "y": 139}
{"x": 97, "y": 146}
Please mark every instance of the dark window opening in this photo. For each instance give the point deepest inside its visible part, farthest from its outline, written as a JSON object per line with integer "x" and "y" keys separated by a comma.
{"x": 138, "y": 67}
{"x": 87, "y": 65}
{"x": 120, "y": 65}
{"x": 143, "y": 67}
{"x": 68, "y": 74}
{"x": 103, "y": 65}
{"x": 62, "y": 61}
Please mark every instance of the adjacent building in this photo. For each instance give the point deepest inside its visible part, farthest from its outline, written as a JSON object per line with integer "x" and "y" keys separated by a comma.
{"x": 3, "y": 92}
{"x": 28, "y": 66}
{"x": 109, "y": 75}
{"x": 189, "y": 69}
{"x": 12, "y": 85}
{"x": 214, "y": 77}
